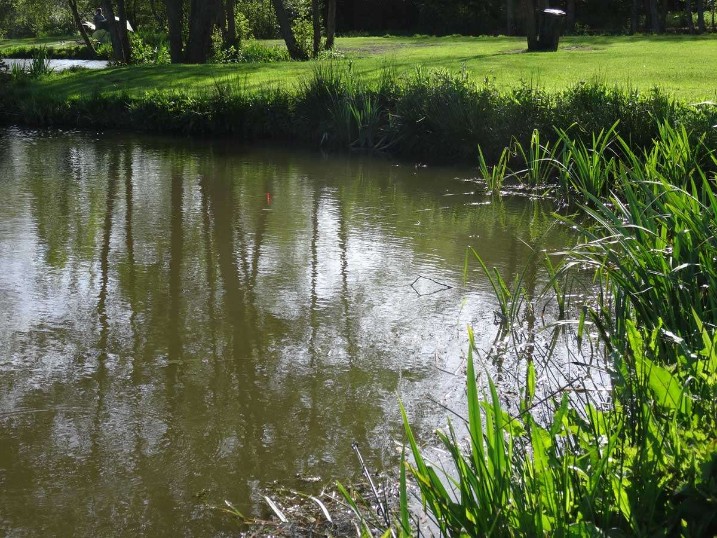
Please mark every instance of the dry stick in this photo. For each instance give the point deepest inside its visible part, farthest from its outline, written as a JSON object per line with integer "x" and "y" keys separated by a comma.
{"x": 381, "y": 508}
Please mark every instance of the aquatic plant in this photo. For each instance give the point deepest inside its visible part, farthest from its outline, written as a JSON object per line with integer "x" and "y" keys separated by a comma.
{"x": 642, "y": 461}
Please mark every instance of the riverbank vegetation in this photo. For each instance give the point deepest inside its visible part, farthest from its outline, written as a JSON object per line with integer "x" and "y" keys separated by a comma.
{"x": 631, "y": 62}
{"x": 433, "y": 115}
{"x": 641, "y": 458}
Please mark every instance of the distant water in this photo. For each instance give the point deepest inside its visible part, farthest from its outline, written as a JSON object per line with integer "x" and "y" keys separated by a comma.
{"x": 62, "y": 65}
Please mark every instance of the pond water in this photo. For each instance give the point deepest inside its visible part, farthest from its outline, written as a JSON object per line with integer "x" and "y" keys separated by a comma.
{"x": 60, "y": 65}
{"x": 183, "y": 322}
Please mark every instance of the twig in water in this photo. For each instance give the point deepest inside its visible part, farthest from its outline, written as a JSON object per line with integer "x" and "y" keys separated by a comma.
{"x": 382, "y": 510}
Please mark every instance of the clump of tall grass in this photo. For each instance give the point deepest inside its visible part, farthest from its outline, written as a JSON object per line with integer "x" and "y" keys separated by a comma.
{"x": 446, "y": 114}
{"x": 643, "y": 461}
{"x": 435, "y": 116}
{"x": 38, "y": 66}
{"x": 595, "y": 166}
{"x": 342, "y": 110}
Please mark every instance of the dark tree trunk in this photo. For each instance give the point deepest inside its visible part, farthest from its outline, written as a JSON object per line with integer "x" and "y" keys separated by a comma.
{"x": 80, "y": 26}
{"x": 654, "y": 17}
{"x": 330, "y": 24}
{"x": 688, "y": 16}
{"x": 509, "y": 17}
{"x": 201, "y": 20}
{"x": 285, "y": 26}
{"x": 570, "y": 15}
{"x": 527, "y": 9}
{"x": 117, "y": 49}
{"x": 316, "y": 20}
{"x": 701, "y": 26}
{"x": 230, "y": 39}
{"x": 634, "y": 16}
{"x": 123, "y": 33}
{"x": 132, "y": 13}
{"x": 663, "y": 15}
{"x": 175, "y": 21}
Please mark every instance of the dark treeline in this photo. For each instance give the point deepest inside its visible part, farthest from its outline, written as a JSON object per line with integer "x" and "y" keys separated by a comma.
{"x": 480, "y": 17}
{"x": 437, "y": 17}
{"x": 193, "y": 30}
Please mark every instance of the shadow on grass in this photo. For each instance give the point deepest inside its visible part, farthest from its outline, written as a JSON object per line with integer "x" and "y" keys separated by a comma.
{"x": 140, "y": 79}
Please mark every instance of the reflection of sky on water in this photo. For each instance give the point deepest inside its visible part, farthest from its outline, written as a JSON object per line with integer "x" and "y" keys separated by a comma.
{"x": 60, "y": 65}
{"x": 182, "y": 317}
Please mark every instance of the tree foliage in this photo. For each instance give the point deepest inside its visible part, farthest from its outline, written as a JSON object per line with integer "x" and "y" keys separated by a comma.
{"x": 307, "y": 26}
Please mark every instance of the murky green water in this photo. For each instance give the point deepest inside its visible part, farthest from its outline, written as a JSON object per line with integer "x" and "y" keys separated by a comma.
{"x": 186, "y": 322}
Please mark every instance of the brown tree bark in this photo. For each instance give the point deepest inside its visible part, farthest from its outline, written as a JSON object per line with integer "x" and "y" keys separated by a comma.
{"x": 80, "y": 26}
{"x": 701, "y": 26}
{"x": 123, "y": 33}
{"x": 330, "y": 24}
{"x": 175, "y": 20}
{"x": 285, "y": 27}
{"x": 118, "y": 52}
{"x": 202, "y": 16}
{"x": 230, "y": 39}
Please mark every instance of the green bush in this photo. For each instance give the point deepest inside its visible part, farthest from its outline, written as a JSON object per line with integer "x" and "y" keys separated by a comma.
{"x": 253, "y": 51}
{"x": 260, "y": 16}
{"x": 143, "y": 52}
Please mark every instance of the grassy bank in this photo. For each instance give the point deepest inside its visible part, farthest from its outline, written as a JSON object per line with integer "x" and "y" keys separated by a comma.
{"x": 428, "y": 98}
{"x": 679, "y": 65}
{"x": 431, "y": 115}
{"x": 57, "y": 48}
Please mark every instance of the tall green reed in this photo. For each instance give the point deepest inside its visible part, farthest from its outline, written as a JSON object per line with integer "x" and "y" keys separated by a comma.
{"x": 645, "y": 464}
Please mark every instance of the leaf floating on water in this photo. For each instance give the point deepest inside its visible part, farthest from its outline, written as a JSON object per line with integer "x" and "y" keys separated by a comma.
{"x": 276, "y": 510}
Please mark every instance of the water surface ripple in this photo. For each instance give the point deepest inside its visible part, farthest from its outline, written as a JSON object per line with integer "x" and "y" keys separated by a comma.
{"x": 184, "y": 322}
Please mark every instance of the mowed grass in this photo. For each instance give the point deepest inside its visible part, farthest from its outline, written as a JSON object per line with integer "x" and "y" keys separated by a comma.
{"x": 56, "y": 42}
{"x": 682, "y": 66}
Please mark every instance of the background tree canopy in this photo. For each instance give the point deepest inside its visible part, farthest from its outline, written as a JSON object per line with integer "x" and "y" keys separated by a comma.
{"x": 192, "y": 29}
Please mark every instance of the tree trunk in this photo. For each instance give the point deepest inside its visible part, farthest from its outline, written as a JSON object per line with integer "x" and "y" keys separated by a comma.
{"x": 654, "y": 17}
{"x": 527, "y": 8}
{"x": 230, "y": 39}
{"x": 509, "y": 17}
{"x": 634, "y": 16}
{"x": 175, "y": 21}
{"x": 285, "y": 26}
{"x": 80, "y": 26}
{"x": 123, "y": 33}
{"x": 330, "y": 24}
{"x": 201, "y": 21}
{"x": 570, "y": 15}
{"x": 117, "y": 49}
{"x": 701, "y": 26}
{"x": 688, "y": 16}
{"x": 316, "y": 20}
{"x": 663, "y": 15}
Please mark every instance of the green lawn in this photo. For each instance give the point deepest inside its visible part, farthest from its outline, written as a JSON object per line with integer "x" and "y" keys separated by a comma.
{"x": 56, "y": 42}
{"x": 680, "y": 65}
